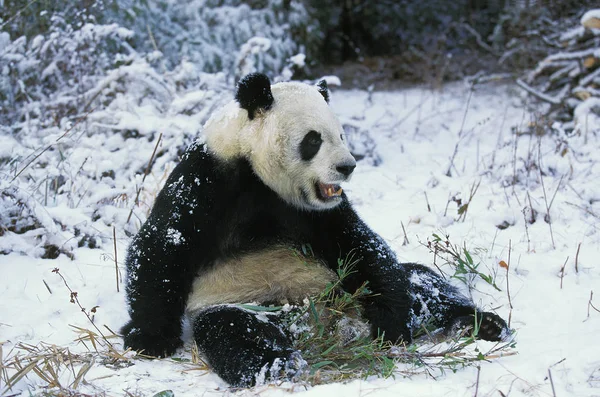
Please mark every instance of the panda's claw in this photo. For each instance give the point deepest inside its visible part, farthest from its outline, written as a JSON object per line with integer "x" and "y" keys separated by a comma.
{"x": 491, "y": 327}
{"x": 281, "y": 369}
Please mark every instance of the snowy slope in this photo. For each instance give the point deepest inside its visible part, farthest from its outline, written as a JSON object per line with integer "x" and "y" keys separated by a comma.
{"x": 434, "y": 147}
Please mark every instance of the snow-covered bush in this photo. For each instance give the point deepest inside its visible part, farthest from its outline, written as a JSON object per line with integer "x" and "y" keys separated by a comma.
{"x": 210, "y": 33}
{"x": 72, "y": 99}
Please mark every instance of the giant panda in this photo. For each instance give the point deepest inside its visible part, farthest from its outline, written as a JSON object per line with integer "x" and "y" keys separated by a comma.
{"x": 229, "y": 222}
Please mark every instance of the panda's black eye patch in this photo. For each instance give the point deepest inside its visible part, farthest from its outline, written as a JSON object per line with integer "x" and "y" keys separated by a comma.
{"x": 310, "y": 145}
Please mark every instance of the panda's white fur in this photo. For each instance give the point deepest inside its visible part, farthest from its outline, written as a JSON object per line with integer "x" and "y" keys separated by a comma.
{"x": 270, "y": 142}
{"x": 278, "y": 274}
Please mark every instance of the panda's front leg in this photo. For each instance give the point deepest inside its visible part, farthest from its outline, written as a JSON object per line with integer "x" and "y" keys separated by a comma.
{"x": 244, "y": 347}
{"x": 159, "y": 278}
{"x": 438, "y": 302}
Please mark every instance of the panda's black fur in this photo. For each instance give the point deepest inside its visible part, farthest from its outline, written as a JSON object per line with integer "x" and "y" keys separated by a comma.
{"x": 213, "y": 210}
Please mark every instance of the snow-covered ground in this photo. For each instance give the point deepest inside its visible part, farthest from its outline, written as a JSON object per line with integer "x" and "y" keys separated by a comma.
{"x": 431, "y": 153}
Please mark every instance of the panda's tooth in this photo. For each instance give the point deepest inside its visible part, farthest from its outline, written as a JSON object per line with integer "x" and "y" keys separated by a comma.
{"x": 339, "y": 192}
{"x": 330, "y": 191}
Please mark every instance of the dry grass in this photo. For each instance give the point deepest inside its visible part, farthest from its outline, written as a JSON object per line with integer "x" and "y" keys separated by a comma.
{"x": 59, "y": 371}
{"x": 56, "y": 367}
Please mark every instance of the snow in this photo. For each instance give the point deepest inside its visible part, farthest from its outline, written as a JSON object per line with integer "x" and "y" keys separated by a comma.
{"x": 589, "y": 15}
{"x": 331, "y": 80}
{"x": 431, "y": 147}
{"x": 298, "y": 60}
{"x": 587, "y": 114}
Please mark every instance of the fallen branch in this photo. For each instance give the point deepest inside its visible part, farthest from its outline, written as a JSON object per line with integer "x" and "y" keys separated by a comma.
{"x": 538, "y": 94}
{"x": 478, "y": 38}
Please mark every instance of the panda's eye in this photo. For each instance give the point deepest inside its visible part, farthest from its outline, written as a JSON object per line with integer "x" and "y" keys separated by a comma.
{"x": 310, "y": 145}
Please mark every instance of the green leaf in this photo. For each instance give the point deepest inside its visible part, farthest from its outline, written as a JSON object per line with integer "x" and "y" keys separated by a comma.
{"x": 315, "y": 314}
{"x": 321, "y": 364}
{"x": 329, "y": 349}
{"x": 468, "y": 256}
{"x": 165, "y": 393}
{"x": 257, "y": 308}
{"x": 307, "y": 250}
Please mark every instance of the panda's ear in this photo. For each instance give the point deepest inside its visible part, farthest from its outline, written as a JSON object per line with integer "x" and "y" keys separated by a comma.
{"x": 254, "y": 93}
{"x": 323, "y": 89}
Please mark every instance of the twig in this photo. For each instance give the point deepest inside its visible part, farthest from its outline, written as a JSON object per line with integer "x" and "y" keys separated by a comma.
{"x": 532, "y": 220}
{"x": 47, "y": 286}
{"x": 32, "y": 160}
{"x": 462, "y": 126}
{"x": 514, "y": 160}
{"x": 590, "y": 304}
{"x": 435, "y": 255}
{"x": 405, "y": 242}
{"x": 499, "y": 140}
{"x": 152, "y": 38}
{"x": 555, "y": 192}
{"x": 116, "y": 263}
{"x": 577, "y": 259}
{"x": 510, "y": 305}
{"x": 427, "y": 201}
{"x": 477, "y": 381}
{"x": 480, "y": 42}
{"x": 544, "y": 191}
{"x": 570, "y": 55}
{"x": 538, "y": 94}
{"x": 551, "y": 382}
{"x": 562, "y": 272}
{"x": 75, "y": 299}
{"x": 585, "y": 209}
{"x": 450, "y": 197}
{"x": 137, "y": 195}
{"x": 493, "y": 243}
{"x": 527, "y": 229}
{"x": 462, "y": 210}
{"x": 17, "y": 14}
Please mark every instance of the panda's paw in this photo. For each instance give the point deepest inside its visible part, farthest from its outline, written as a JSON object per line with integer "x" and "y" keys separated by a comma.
{"x": 490, "y": 326}
{"x": 294, "y": 366}
{"x": 281, "y": 369}
{"x": 150, "y": 344}
{"x": 493, "y": 327}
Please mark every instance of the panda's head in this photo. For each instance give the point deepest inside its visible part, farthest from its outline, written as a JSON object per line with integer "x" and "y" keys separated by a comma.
{"x": 289, "y": 135}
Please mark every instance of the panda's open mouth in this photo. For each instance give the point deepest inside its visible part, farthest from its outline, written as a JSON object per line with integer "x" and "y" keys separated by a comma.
{"x": 327, "y": 191}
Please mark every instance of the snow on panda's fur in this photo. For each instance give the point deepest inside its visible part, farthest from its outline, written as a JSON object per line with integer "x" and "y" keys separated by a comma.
{"x": 228, "y": 225}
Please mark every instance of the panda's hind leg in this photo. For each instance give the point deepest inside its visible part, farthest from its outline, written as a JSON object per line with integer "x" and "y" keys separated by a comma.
{"x": 242, "y": 346}
{"x": 436, "y": 300}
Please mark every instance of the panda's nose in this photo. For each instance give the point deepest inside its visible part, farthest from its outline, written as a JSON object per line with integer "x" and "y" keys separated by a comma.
{"x": 345, "y": 169}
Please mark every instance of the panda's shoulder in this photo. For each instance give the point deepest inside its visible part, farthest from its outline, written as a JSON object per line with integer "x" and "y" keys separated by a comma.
{"x": 195, "y": 171}
{"x": 196, "y": 151}
{"x": 196, "y": 161}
